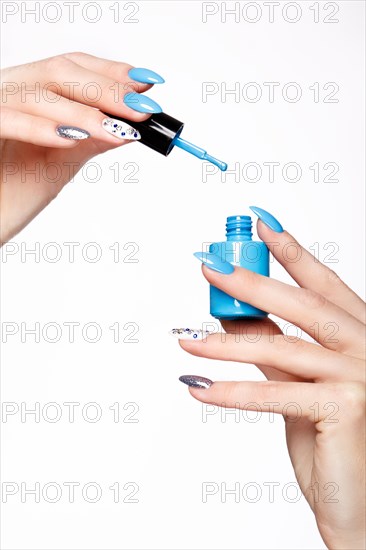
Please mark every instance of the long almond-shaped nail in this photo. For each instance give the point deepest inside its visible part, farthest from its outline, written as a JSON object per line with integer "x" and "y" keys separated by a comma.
{"x": 72, "y": 132}
{"x": 196, "y": 381}
{"x": 120, "y": 129}
{"x": 214, "y": 262}
{"x": 145, "y": 75}
{"x": 141, "y": 103}
{"x": 267, "y": 219}
{"x": 189, "y": 333}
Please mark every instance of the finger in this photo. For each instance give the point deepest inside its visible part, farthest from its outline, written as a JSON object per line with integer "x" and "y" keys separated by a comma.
{"x": 70, "y": 112}
{"x": 37, "y": 130}
{"x": 327, "y": 323}
{"x": 308, "y": 272}
{"x": 64, "y": 77}
{"x": 22, "y": 198}
{"x": 294, "y": 400}
{"x": 252, "y": 328}
{"x": 291, "y": 356}
{"x": 116, "y": 70}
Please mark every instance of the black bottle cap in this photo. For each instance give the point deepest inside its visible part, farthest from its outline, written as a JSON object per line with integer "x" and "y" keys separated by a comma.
{"x": 157, "y": 132}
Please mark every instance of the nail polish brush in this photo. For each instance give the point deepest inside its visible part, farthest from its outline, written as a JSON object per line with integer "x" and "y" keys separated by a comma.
{"x": 198, "y": 152}
{"x": 161, "y": 132}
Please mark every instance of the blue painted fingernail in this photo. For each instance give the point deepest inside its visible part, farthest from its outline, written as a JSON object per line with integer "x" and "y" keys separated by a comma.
{"x": 141, "y": 103}
{"x": 145, "y": 76}
{"x": 267, "y": 218}
{"x": 214, "y": 262}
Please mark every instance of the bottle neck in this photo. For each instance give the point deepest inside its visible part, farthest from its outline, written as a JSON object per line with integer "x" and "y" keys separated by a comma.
{"x": 239, "y": 228}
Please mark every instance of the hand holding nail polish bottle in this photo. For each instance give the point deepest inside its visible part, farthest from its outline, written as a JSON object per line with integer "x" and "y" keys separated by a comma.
{"x": 239, "y": 249}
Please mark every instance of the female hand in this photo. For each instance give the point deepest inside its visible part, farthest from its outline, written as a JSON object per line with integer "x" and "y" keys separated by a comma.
{"x": 322, "y": 383}
{"x": 52, "y": 122}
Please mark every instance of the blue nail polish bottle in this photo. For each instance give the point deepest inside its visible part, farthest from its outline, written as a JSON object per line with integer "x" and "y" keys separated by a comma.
{"x": 238, "y": 249}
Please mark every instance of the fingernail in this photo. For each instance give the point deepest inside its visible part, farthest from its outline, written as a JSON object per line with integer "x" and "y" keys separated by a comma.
{"x": 196, "y": 381}
{"x": 145, "y": 76}
{"x": 267, "y": 218}
{"x": 189, "y": 333}
{"x": 72, "y": 132}
{"x": 141, "y": 103}
{"x": 120, "y": 129}
{"x": 214, "y": 262}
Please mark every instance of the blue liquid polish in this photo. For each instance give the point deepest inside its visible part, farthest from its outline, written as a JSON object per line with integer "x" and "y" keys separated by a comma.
{"x": 198, "y": 152}
{"x": 240, "y": 250}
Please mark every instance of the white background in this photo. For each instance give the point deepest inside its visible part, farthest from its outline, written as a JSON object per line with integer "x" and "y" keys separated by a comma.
{"x": 169, "y": 212}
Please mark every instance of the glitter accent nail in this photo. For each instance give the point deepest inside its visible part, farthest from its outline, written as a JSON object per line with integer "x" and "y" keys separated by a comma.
{"x": 72, "y": 132}
{"x": 120, "y": 129}
{"x": 189, "y": 333}
{"x": 196, "y": 381}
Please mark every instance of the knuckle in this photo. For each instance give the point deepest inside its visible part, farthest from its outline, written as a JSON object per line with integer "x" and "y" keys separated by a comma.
{"x": 329, "y": 281}
{"x": 114, "y": 68}
{"x": 284, "y": 344}
{"x": 311, "y": 299}
{"x": 72, "y": 55}
{"x": 281, "y": 343}
{"x": 55, "y": 64}
{"x": 33, "y": 65}
{"x": 332, "y": 277}
{"x": 351, "y": 396}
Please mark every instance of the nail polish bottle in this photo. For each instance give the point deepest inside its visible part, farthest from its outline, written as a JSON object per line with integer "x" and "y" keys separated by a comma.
{"x": 239, "y": 249}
